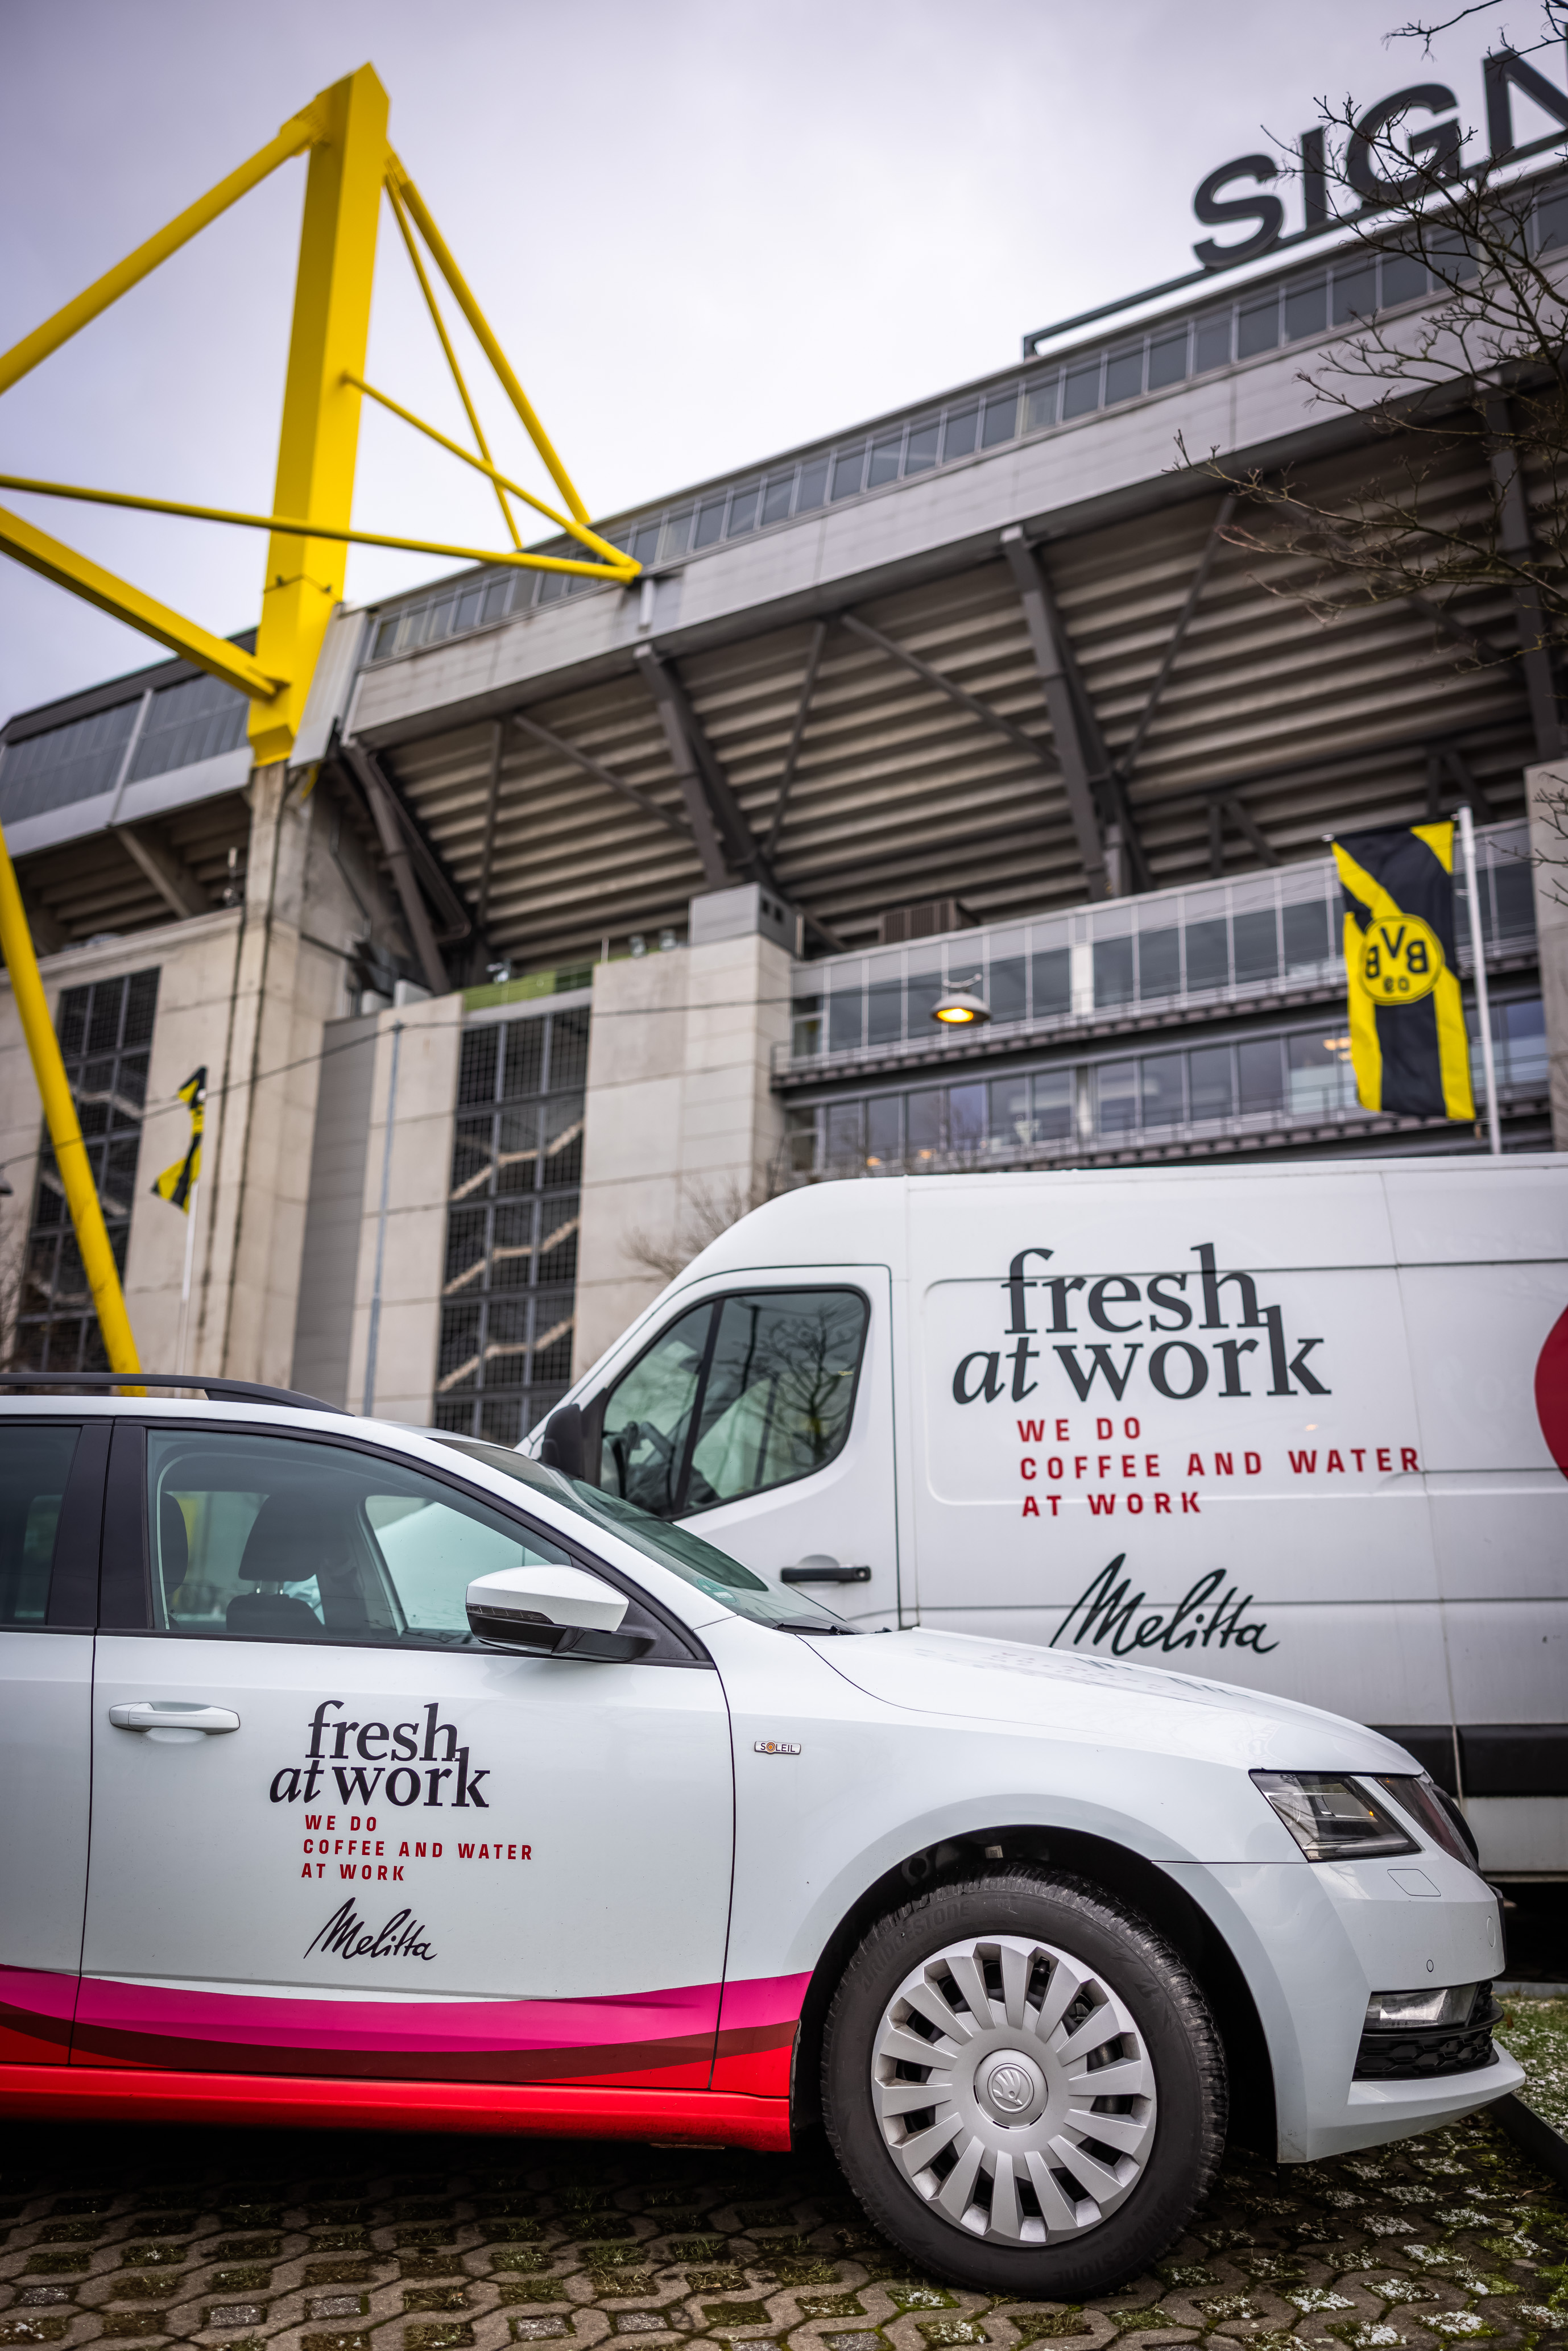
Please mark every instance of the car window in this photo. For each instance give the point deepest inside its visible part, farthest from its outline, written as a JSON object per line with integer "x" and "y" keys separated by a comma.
{"x": 699, "y": 1563}
{"x": 735, "y": 1396}
{"x": 273, "y": 1538}
{"x": 35, "y": 1462}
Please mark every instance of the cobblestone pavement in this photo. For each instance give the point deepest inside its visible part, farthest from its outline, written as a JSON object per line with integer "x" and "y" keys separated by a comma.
{"x": 258, "y": 2241}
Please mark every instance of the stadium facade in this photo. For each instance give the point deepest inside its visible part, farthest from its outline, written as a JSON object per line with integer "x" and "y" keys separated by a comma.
{"x": 584, "y": 916}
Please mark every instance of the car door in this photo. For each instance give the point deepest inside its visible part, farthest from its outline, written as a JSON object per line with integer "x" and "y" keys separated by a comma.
{"x": 761, "y": 1415}
{"x": 51, "y": 1503}
{"x": 333, "y": 1835}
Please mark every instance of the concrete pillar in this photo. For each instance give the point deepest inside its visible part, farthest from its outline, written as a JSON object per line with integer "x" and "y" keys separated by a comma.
{"x": 413, "y": 1257}
{"x": 1547, "y": 791}
{"x": 681, "y": 1130}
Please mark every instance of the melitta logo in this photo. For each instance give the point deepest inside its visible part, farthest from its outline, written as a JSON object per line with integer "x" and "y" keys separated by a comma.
{"x": 409, "y": 1764}
{"x": 1109, "y": 1608}
{"x": 1177, "y": 1369}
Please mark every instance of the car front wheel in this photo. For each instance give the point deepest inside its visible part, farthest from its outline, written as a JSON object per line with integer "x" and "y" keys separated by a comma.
{"x": 1023, "y": 2084}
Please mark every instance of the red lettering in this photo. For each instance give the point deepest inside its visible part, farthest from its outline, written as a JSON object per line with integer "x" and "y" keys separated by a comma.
{"x": 367, "y": 1871}
{"x": 1102, "y": 1506}
{"x": 313, "y": 1820}
{"x": 1129, "y": 1465}
{"x": 381, "y": 1872}
{"x": 402, "y": 1851}
{"x": 1408, "y": 1457}
{"x": 1134, "y": 1503}
{"x": 1224, "y": 1465}
{"x": 419, "y": 1852}
{"x": 353, "y": 1820}
{"x": 1194, "y": 1465}
{"x": 1252, "y": 1463}
{"x": 1080, "y": 1463}
{"x": 1031, "y": 1507}
{"x": 1031, "y": 1432}
{"x": 465, "y": 1853}
{"x": 1061, "y": 1437}
{"x": 371, "y": 1823}
{"x": 1026, "y": 1467}
{"x": 528, "y": 1853}
{"x": 331, "y": 1820}
{"x": 1189, "y": 1502}
{"x": 346, "y": 1869}
{"x": 1055, "y": 1501}
{"x": 320, "y": 1869}
{"x": 1151, "y": 1465}
{"x": 1384, "y": 1459}
{"x": 397, "y": 1869}
{"x": 1333, "y": 1462}
{"x": 1360, "y": 1453}
{"x": 483, "y": 1852}
{"x": 1104, "y": 1469}
{"x": 1054, "y": 1468}
{"x": 380, "y": 1847}
{"x": 511, "y": 1852}
{"x": 306, "y": 1871}
{"x": 1303, "y": 1463}
{"x": 1105, "y": 1428}
{"x": 436, "y": 1852}
{"x": 1133, "y": 1428}
{"x": 1162, "y": 1506}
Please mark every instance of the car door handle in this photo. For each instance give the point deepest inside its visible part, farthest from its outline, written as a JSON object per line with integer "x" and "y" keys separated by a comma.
{"x": 180, "y": 1714}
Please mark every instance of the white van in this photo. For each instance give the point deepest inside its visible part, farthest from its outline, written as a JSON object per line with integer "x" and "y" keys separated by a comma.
{"x": 1300, "y": 1427}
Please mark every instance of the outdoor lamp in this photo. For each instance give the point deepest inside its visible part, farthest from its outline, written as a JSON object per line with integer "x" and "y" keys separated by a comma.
{"x": 960, "y": 1010}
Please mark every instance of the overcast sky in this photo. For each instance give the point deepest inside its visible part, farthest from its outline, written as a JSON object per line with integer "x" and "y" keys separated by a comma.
{"x": 705, "y": 230}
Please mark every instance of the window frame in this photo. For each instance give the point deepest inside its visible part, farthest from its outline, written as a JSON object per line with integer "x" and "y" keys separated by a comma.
{"x": 70, "y": 1603}
{"x": 593, "y": 1412}
{"x": 126, "y": 1605}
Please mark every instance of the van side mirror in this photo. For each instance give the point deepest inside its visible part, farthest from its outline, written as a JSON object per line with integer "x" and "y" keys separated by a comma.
{"x": 561, "y": 1446}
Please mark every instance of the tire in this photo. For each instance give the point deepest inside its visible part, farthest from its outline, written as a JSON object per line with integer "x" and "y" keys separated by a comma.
{"x": 992, "y": 2183}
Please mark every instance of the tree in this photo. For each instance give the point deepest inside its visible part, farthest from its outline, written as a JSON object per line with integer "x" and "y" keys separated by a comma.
{"x": 1466, "y": 400}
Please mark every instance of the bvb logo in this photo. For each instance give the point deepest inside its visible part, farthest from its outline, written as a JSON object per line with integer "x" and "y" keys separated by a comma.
{"x": 1401, "y": 960}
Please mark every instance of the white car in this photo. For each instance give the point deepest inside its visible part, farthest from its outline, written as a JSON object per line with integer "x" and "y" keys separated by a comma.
{"x": 361, "y": 1775}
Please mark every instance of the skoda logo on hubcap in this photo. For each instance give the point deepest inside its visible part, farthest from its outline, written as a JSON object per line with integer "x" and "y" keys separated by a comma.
{"x": 1011, "y": 2087}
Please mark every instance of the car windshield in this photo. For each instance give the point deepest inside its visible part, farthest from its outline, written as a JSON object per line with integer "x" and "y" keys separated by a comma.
{"x": 697, "y": 1562}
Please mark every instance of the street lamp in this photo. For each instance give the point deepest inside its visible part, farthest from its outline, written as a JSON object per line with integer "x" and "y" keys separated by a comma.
{"x": 960, "y": 1010}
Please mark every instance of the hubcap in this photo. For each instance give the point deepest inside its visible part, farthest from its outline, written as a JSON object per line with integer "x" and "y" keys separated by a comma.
{"x": 1013, "y": 2090}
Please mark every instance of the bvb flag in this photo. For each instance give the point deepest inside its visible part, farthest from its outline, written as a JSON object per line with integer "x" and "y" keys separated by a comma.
{"x": 1407, "y": 1036}
{"x": 177, "y": 1184}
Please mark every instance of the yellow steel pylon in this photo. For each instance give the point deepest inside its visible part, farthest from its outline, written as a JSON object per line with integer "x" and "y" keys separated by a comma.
{"x": 344, "y": 131}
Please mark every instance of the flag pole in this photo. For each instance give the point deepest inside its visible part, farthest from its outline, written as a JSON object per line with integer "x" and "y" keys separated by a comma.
{"x": 185, "y": 1278}
{"x": 1478, "y": 956}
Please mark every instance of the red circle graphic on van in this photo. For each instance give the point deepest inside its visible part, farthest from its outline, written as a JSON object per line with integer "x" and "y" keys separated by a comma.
{"x": 1552, "y": 1391}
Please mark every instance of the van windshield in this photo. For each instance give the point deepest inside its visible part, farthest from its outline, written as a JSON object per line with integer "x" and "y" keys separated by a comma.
{"x": 701, "y": 1564}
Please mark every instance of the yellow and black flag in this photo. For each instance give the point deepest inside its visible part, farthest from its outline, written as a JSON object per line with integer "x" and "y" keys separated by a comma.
{"x": 177, "y": 1184}
{"x": 1407, "y": 1036}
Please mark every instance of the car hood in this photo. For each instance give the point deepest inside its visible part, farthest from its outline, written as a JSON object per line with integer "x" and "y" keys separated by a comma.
{"x": 1011, "y": 1685}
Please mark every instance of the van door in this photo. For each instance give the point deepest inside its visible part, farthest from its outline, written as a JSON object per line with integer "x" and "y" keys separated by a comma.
{"x": 761, "y": 1413}
{"x": 51, "y": 1505}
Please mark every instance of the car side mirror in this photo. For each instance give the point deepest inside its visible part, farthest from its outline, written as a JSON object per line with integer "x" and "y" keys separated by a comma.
{"x": 556, "y": 1612}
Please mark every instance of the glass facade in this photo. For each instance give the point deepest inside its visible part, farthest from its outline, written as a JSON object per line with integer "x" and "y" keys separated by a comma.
{"x": 1296, "y": 1077}
{"x": 106, "y": 1034}
{"x": 1260, "y": 318}
{"x": 1221, "y": 942}
{"x": 509, "y": 1297}
{"x": 196, "y": 718}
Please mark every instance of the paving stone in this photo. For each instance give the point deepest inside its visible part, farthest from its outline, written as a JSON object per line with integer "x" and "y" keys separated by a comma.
{"x": 42, "y": 2297}
{"x": 235, "y": 2313}
{"x": 338, "y": 2305}
{"x": 535, "y": 2330}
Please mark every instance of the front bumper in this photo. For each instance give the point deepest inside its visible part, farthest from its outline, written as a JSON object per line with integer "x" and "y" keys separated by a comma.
{"x": 1314, "y": 1940}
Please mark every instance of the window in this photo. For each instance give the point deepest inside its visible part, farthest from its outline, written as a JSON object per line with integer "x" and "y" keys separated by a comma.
{"x": 106, "y": 1034}
{"x": 35, "y": 1462}
{"x": 1213, "y": 1094}
{"x": 884, "y": 1011}
{"x": 738, "y": 1395}
{"x": 1116, "y": 1098}
{"x": 1113, "y": 971}
{"x": 510, "y": 1289}
{"x": 884, "y": 455}
{"x": 1040, "y": 402}
{"x": 1306, "y": 309}
{"x": 1208, "y": 955}
{"x": 1053, "y": 1090}
{"x": 1520, "y": 1029}
{"x": 1306, "y": 934}
{"x": 1051, "y": 978}
{"x": 743, "y": 509}
{"x": 776, "y": 498}
{"x": 884, "y": 1131}
{"x": 1010, "y": 1123}
{"x": 1165, "y": 1102}
{"x": 846, "y": 1012}
{"x": 1257, "y": 945}
{"x": 1319, "y": 1068}
{"x": 710, "y": 522}
{"x": 1213, "y": 341}
{"x": 1355, "y": 292}
{"x": 1259, "y": 1071}
{"x": 1124, "y": 374}
{"x": 1167, "y": 358}
{"x": 966, "y": 1117}
{"x": 1081, "y": 388}
{"x": 1159, "y": 964}
{"x": 847, "y": 467}
{"x": 920, "y": 454}
{"x": 274, "y": 1538}
{"x": 843, "y": 1132}
{"x": 813, "y": 489}
{"x": 962, "y": 426}
{"x": 924, "y": 1111}
{"x": 1001, "y": 417}
{"x": 1006, "y": 985}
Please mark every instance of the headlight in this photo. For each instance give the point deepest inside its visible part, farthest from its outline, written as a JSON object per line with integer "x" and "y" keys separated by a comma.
{"x": 1434, "y": 1811}
{"x": 1386, "y": 2012}
{"x": 1330, "y": 1818}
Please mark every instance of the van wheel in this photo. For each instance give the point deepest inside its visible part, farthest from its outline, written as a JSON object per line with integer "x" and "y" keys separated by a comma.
{"x": 1023, "y": 2084}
